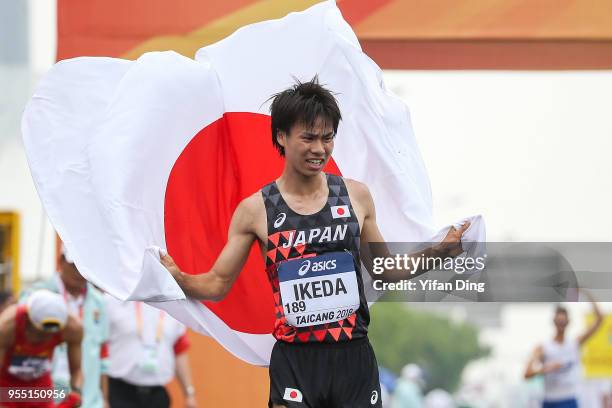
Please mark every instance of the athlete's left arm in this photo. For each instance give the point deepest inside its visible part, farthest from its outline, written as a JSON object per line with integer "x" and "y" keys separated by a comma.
{"x": 73, "y": 336}
{"x": 370, "y": 234}
{"x": 596, "y": 324}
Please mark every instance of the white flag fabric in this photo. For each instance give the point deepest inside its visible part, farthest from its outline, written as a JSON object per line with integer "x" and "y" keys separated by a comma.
{"x": 131, "y": 156}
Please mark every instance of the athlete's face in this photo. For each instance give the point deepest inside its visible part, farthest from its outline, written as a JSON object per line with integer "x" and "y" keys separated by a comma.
{"x": 40, "y": 334}
{"x": 307, "y": 149}
{"x": 561, "y": 320}
{"x": 71, "y": 277}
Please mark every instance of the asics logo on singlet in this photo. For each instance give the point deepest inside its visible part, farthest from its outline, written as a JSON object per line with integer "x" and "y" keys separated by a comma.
{"x": 280, "y": 220}
{"x": 374, "y": 397}
{"x": 308, "y": 266}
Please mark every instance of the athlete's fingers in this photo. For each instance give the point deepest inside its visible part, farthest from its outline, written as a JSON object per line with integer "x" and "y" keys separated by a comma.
{"x": 170, "y": 265}
{"x": 167, "y": 260}
{"x": 450, "y": 235}
{"x": 464, "y": 228}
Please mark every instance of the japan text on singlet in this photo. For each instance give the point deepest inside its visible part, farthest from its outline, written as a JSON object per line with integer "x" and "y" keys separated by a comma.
{"x": 313, "y": 265}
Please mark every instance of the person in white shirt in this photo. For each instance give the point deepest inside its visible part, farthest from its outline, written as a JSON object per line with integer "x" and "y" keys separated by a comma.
{"x": 146, "y": 349}
{"x": 558, "y": 360}
{"x": 86, "y": 302}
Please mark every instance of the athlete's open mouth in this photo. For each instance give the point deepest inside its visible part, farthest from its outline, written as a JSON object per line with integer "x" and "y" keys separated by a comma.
{"x": 317, "y": 162}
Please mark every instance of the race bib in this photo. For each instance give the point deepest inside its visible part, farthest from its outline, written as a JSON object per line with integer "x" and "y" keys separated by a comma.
{"x": 29, "y": 368}
{"x": 320, "y": 289}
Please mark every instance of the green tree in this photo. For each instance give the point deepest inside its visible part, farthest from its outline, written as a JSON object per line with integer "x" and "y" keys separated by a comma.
{"x": 442, "y": 348}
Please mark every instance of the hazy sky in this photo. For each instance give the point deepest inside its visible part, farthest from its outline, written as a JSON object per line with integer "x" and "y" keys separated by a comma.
{"x": 528, "y": 150}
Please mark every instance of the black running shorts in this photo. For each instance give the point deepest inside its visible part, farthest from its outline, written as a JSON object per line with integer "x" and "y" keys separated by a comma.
{"x": 323, "y": 375}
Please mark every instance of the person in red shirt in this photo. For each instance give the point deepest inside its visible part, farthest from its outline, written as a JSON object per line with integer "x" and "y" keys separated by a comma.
{"x": 28, "y": 335}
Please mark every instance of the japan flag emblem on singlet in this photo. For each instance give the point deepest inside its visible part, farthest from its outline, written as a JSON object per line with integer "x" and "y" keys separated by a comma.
{"x": 291, "y": 394}
{"x": 340, "y": 211}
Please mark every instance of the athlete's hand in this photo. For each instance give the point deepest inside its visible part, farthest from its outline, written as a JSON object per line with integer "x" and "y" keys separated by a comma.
{"x": 190, "y": 402}
{"x": 451, "y": 244}
{"x": 551, "y": 367}
{"x": 170, "y": 265}
{"x": 72, "y": 400}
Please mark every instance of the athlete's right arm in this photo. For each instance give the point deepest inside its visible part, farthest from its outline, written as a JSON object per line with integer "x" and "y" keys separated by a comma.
{"x": 216, "y": 283}
{"x": 590, "y": 331}
{"x": 7, "y": 329}
{"x": 536, "y": 365}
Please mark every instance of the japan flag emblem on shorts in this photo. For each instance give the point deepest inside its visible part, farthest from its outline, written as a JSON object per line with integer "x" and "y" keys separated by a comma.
{"x": 291, "y": 394}
{"x": 340, "y": 211}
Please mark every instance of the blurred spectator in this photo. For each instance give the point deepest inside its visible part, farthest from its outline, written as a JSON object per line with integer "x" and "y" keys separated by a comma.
{"x": 387, "y": 385}
{"x": 87, "y": 303}
{"x": 385, "y": 396}
{"x": 439, "y": 399}
{"x": 146, "y": 348}
{"x": 558, "y": 360}
{"x": 594, "y": 393}
{"x": 409, "y": 388}
{"x": 387, "y": 378}
{"x": 6, "y": 299}
{"x": 29, "y": 333}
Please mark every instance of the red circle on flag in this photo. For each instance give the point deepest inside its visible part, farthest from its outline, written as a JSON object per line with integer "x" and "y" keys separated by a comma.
{"x": 340, "y": 211}
{"x": 225, "y": 162}
{"x": 293, "y": 394}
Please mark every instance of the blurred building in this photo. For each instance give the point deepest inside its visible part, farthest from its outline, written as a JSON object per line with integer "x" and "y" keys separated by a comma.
{"x": 26, "y": 238}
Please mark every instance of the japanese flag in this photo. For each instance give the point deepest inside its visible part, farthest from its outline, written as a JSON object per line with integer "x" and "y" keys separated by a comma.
{"x": 132, "y": 156}
{"x": 340, "y": 211}
{"x": 291, "y": 394}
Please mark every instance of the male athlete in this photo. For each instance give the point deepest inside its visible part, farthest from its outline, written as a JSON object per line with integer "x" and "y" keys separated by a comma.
{"x": 309, "y": 226}
{"x": 558, "y": 360}
{"x": 28, "y": 335}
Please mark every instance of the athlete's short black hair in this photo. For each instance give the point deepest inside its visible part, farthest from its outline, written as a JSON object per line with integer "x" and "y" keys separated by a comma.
{"x": 560, "y": 310}
{"x": 302, "y": 103}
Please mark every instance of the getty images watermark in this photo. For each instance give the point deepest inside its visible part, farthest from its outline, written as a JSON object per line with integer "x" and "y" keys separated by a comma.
{"x": 488, "y": 272}
{"x": 411, "y": 265}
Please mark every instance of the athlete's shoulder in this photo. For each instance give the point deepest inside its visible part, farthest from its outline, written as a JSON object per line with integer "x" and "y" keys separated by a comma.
{"x": 358, "y": 190}
{"x": 8, "y": 323}
{"x": 8, "y": 315}
{"x": 539, "y": 349}
{"x": 250, "y": 215}
{"x": 252, "y": 204}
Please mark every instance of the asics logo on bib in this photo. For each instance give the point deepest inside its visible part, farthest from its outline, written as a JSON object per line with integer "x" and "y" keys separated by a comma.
{"x": 280, "y": 220}
{"x": 317, "y": 235}
{"x": 320, "y": 266}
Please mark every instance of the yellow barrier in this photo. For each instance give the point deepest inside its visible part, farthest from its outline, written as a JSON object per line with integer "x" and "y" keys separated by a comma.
{"x": 597, "y": 351}
{"x": 9, "y": 251}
